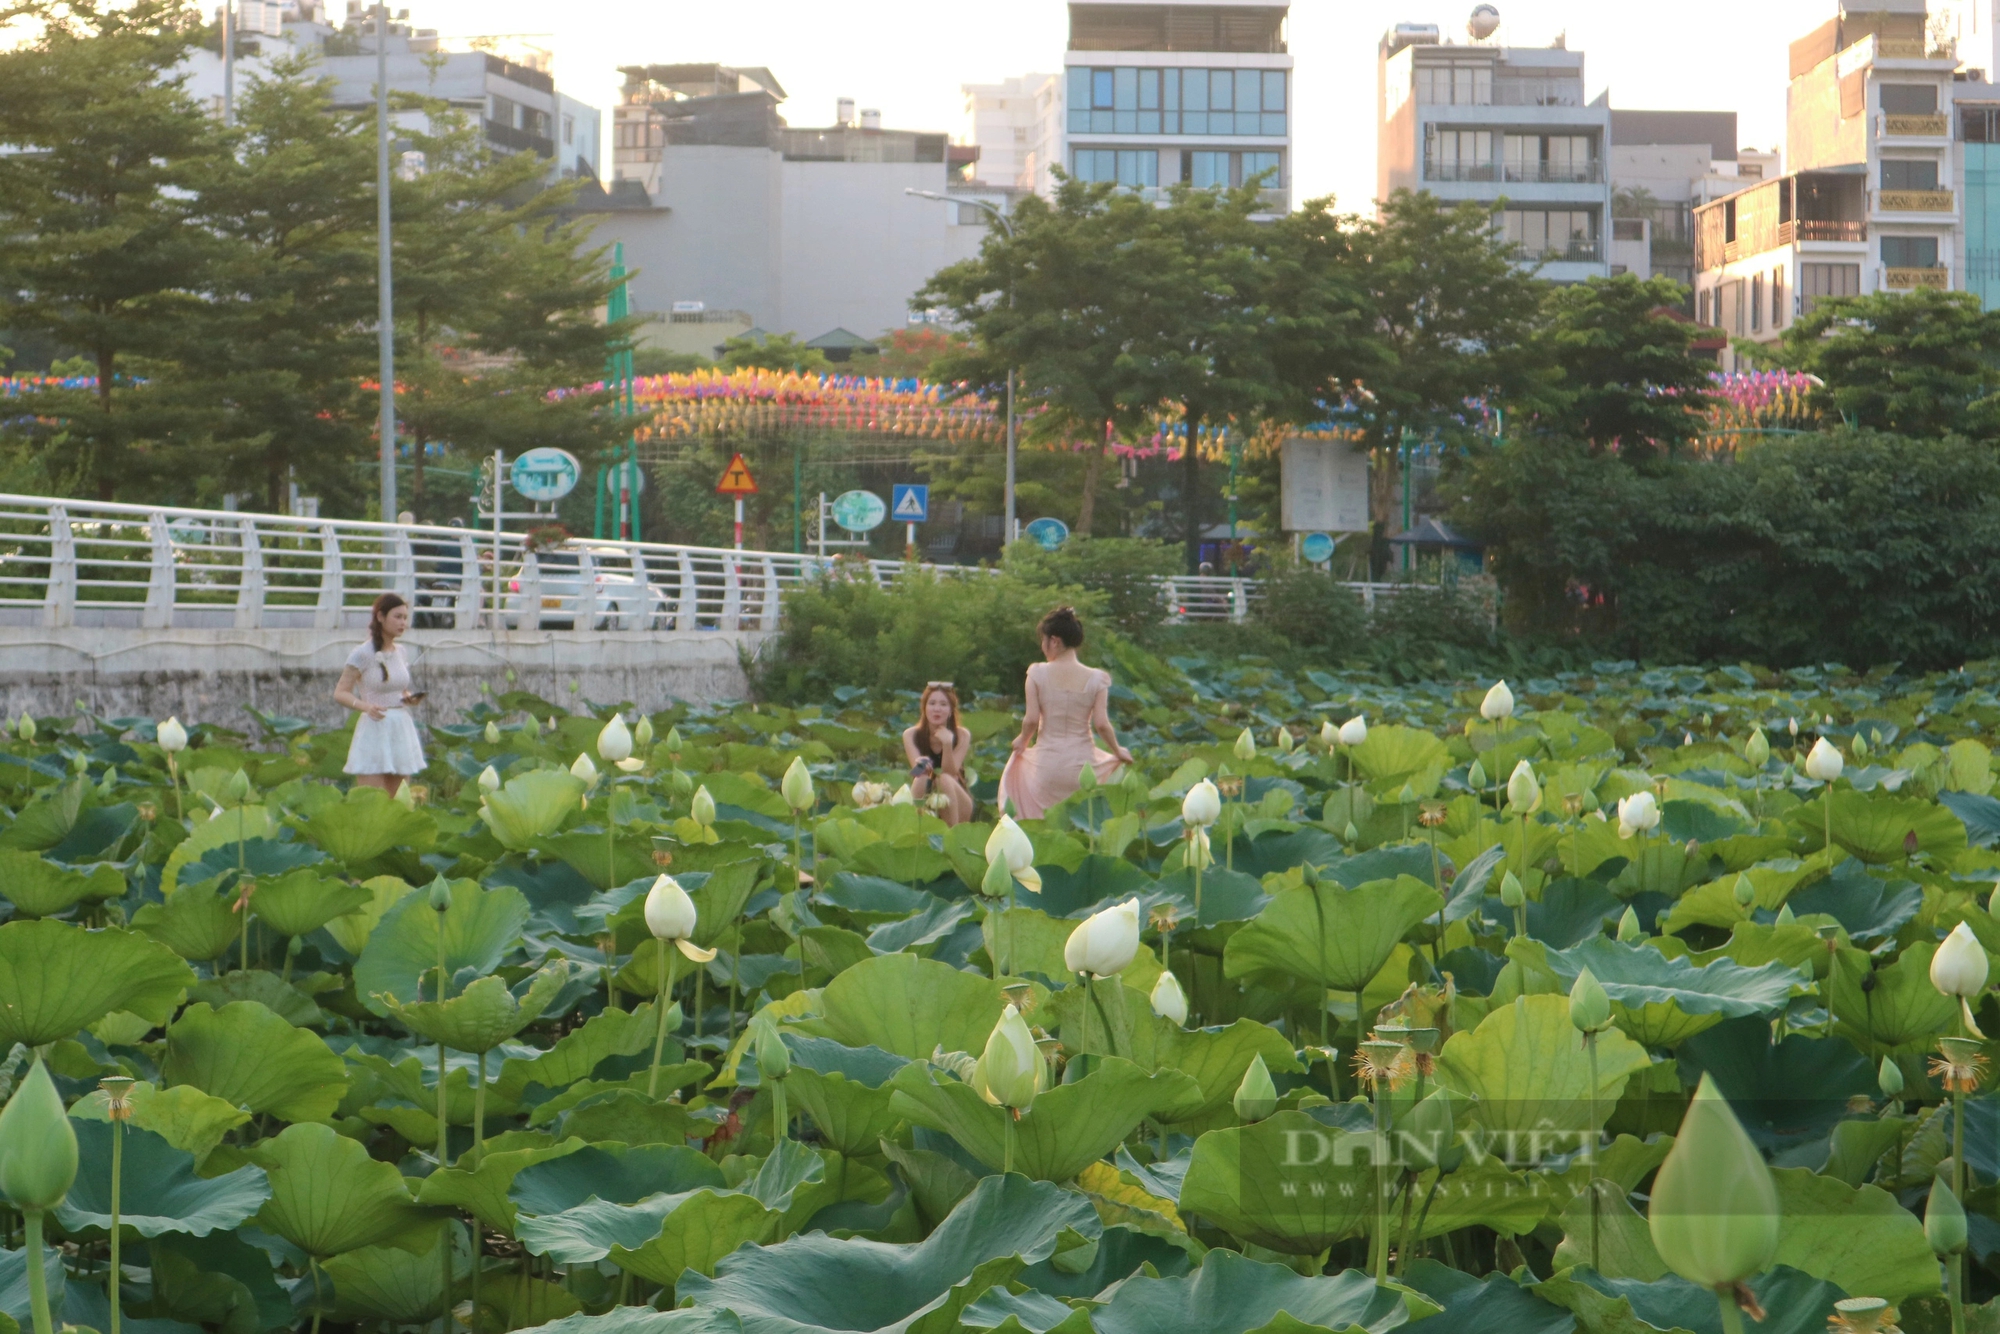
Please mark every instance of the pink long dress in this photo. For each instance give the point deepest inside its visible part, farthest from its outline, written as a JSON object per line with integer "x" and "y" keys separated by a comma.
{"x": 1046, "y": 772}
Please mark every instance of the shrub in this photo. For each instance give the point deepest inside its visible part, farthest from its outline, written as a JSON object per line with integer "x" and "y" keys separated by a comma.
{"x": 1313, "y": 613}
{"x": 1123, "y": 570}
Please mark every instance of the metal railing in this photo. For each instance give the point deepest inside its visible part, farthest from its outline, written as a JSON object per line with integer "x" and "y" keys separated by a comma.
{"x": 83, "y": 563}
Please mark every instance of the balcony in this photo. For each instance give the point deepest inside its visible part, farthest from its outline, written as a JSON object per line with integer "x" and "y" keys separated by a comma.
{"x": 1913, "y": 127}
{"x": 1906, "y": 280}
{"x": 1913, "y": 48}
{"x": 1554, "y": 173}
{"x": 1579, "y": 250}
{"x": 1914, "y": 201}
{"x": 1537, "y": 93}
{"x": 1460, "y": 171}
{"x": 1821, "y": 229}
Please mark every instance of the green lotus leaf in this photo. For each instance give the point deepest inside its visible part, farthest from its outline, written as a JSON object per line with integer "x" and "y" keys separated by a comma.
{"x": 1096, "y": 879}
{"x": 1876, "y": 826}
{"x": 1623, "y": 1245}
{"x": 186, "y": 1118}
{"x": 604, "y": 866}
{"x": 672, "y": 1078}
{"x": 1866, "y": 906}
{"x": 350, "y": 930}
{"x": 1484, "y": 1191}
{"x": 39, "y": 888}
{"x": 1527, "y": 1067}
{"x": 56, "y": 978}
{"x": 161, "y": 1192}
{"x": 1859, "y": 1240}
{"x": 329, "y": 1197}
{"x": 14, "y": 1306}
{"x": 482, "y": 1190}
{"x": 393, "y": 1284}
{"x": 1068, "y": 1128}
{"x": 1795, "y": 1303}
{"x": 937, "y": 1183}
{"x": 250, "y": 1057}
{"x": 1714, "y": 904}
{"x": 576, "y": 1207}
{"x": 1494, "y": 1305}
{"x": 719, "y": 899}
{"x": 509, "y": 1300}
{"x": 532, "y": 806}
{"x": 238, "y": 825}
{"x": 217, "y": 1280}
{"x": 1232, "y": 1294}
{"x": 300, "y": 902}
{"x": 910, "y": 1006}
{"x": 645, "y": 1320}
{"x": 479, "y": 928}
{"x": 632, "y": 1118}
{"x": 485, "y": 1014}
{"x": 1289, "y": 1183}
{"x": 1662, "y": 1001}
{"x": 1882, "y": 1007}
{"x": 1023, "y": 1313}
{"x": 366, "y": 823}
{"x": 845, "y": 1091}
{"x": 701, "y": 1229}
{"x": 46, "y": 820}
{"x": 1783, "y": 1093}
{"x": 1215, "y": 1058}
{"x": 1398, "y": 752}
{"x": 198, "y": 922}
{"x": 580, "y": 1051}
{"x": 1330, "y": 935}
{"x": 809, "y": 1283}
{"x": 266, "y": 989}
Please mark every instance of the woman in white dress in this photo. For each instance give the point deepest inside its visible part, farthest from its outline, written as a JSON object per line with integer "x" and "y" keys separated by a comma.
{"x": 376, "y": 684}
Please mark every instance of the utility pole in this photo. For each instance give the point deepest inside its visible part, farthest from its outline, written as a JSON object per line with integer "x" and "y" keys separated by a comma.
{"x": 386, "y": 314}
{"x": 228, "y": 62}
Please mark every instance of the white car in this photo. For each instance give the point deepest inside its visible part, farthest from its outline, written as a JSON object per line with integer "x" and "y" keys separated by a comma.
{"x": 623, "y": 603}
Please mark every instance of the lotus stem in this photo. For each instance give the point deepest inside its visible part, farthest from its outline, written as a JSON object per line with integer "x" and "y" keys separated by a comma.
{"x": 1229, "y": 838}
{"x": 1348, "y": 755}
{"x": 1097, "y": 1000}
{"x": 700, "y": 997}
{"x": 1827, "y": 811}
{"x": 38, "y": 1282}
{"x": 174, "y": 781}
{"x": 660, "y": 1026}
{"x": 1732, "y": 1318}
{"x": 1007, "y": 1134}
{"x": 1590, "y": 1047}
{"x": 1381, "y": 1156}
{"x": 444, "y": 1119}
{"x": 117, "y": 1181}
{"x": 798, "y": 857}
{"x": 1956, "y": 1269}
{"x": 1437, "y": 883}
{"x": 1403, "y": 1238}
{"x": 312, "y": 1267}
{"x": 780, "y": 1122}
{"x": 1197, "y": 894}
{"x": 479, "y": 1111}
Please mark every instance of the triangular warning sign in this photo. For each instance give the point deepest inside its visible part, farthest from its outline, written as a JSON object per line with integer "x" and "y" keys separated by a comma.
{"x": 911, "y": 506}
{"x": 736, "y": 479}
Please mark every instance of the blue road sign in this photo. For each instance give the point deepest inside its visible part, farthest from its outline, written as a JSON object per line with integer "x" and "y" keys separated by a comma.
{"x": 1048, "y": 534}
{"x": 910, "y": 503}
{"x": 1317, "y": 548}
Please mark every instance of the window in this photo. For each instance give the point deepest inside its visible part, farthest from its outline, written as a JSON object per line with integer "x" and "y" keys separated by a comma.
{"x": 1817, "y": 281}
{"x": 1256, "y": 163}
{"x": 1756, "y": 302}
{"x": 1208, "y": 170}
{"x": 1555, "y": 157}
{"x": 1628, "y": 229}
{"x": 1552, "y": 233}
{"x": 1909, "y": 173}
{"x": 1778, "y": 297}
{"x": 1909, "y": 99}
{"x": 1129, "y": 100}
{"x": 1455, "y": 85}
{"x": 1459, "y": 155}
{"x": 1701, "y": 307}
{"x": 1134, "y": 168}
{"x": 1979, "y": 124}
{"x": 1910, "y": 252}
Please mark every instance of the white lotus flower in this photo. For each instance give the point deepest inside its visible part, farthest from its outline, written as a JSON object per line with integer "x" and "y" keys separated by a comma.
{"x": 701, "y": 807}
{"x": 173, "y": 738}
{"x": 492, "y": 733}
{"x": 1498, "y": 704}
{"x": 585, "y": 770}
{"x": 1202, "y": 805}
{"x": 671, "y": 916}
{"x": 1823, "y": 762}
{"x": 1523, "y": 792}
{"x": 1169, "y": 1001}
{"x": 1637, "y": 814}
{"x": 797, "y": 785}
{"x": 614, "y": 743}
{"x": 1009, "y": 843}
{"x": 868, "y": 795}
{"x": 1104, "y": 943}
{"x": 1329, "y": 735}
{"x": 1354, "y": 731}
{"x": 1959, "y": 967}
{"x": 489, "y": 779}
{"x": 903, "y": 797}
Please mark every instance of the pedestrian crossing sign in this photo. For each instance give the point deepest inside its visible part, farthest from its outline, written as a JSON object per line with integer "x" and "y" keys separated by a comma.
{"x": 910, "y": 503}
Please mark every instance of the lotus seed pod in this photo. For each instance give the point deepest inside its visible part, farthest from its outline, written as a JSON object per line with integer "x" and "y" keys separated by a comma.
{"x": 585, "y": 770}
{"x": 1203, "y": 804}
{"x": 1010, "y": 1069}
{"x": 1256, "y": 1097}
{"x": 1746, "y": 892}
{"x": 1524, "y": 793}
{"x": 774, "y": 1059}
{"x": 1757, "y": 750}
{"x": 1714, "y": 1215}
{"x": 614, "y": 743}
{"x": 642, "y": 732}
{"x": 1169, "y": 1001}
{"x": 1498, "y": 704}
{"x": 1823, "y": 762}
{"x": 37, "y": 1147}
{"x": 701, "y": 807}
{"x": 1246, "y": 745}
{"x": 173, "y": 738}
{"x": 797, "y": 785}
{"x": 1889, "y": 1078}
{"x": 1589, "y": 1006}
{"x": 670, "y": 913}
{"x": 1629, "y": 930}
{"x": 1511, "y": 893}
{"x": 1959, "y": 967}
{"x": 492, "y": 732}
{"x": 440, "y": 894}
{"x": 1354, "y": 731}
{"x": 1944, "y": 1220}
{"x": 1475, "y": 776}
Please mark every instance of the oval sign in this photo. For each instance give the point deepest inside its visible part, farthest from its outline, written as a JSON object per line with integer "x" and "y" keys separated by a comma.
{"x": 1048, "y": 534}
{"x": 1317, "y": 548}
{"x": 859, "y": 511}
{"x": 545, "y": 474}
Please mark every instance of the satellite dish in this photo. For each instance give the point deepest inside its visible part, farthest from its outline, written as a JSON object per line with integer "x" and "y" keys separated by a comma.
{"x": 1485, "y": 21}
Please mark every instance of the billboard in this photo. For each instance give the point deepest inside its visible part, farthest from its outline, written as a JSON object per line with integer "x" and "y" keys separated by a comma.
{"x": 1324, "y": 487}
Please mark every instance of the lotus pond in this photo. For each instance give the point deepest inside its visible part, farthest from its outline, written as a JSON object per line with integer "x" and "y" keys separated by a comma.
{"x": 1650, "y": 1002}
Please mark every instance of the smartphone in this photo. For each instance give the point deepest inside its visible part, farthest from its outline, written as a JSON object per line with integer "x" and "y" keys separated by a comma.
{"x": 415, "y": 696}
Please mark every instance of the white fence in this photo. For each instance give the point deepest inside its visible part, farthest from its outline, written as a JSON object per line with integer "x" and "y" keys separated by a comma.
{"x": 89, "y": 563}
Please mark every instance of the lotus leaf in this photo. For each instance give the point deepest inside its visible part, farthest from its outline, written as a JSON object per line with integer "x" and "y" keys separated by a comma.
{"x": 1289, "y": 1183}
{"x": 56, "y": 979}
{"x": 1796, "y": 1303}
{"x": 910, "y": 1006}
{"x": 531, "y": 807}
{"x": 1979, "y": 813}
{"x": 1398, "y": 752}
{"x": 516, "y": 1301}
{"x": 1215, "y": 1058}
{"x": 1231, "y": 1294}
{"x": 252, "y": 1058}
{"x": 199, "y": 922}
{"x": 844, "y": 1090}
{"x": 1331, "y": 935}
{"x": 479, "y": 928}
{"x": 615, "y": 1173}
{"x": 161, "y": 1191}
{"x": 350, "y": 930}
{"x": 186, "y": 1118}
{"x": 329, "y": 1197}
{"x": 266, "y": 989}
{"x": 1785, "y": 1092}
{"x": 1859, "y": 1240}
{"x": 1662, "y": 1001}
{"x": 219, "y": 1280}
{"x": 485, "y": 1014}
{"x": 1527, "y": 1067}
{"x": 701, "y": 1229}
{"x": 1876, "y": 826}
{"x": 392, "y": 1284}
{"x": 367, "y": 823}
{"x": 1881, "y": 1007}
{"x": 1624, "y": 1243}
{"x": 577, "y": 1053}
{"x": 231, "y": 829}
{"x": 1498, "y": 1305}
{"x": 39, "y": 888}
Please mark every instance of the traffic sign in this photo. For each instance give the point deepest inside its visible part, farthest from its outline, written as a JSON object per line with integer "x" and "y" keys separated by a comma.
{"x": 545, "y": 475}
{"x": 910, "y": 502}
{"x": 859, "y": 511}
{"x": 1048, "y": 534}
{"x": 1317, "y": 548}
{"x": 736, "y": 479}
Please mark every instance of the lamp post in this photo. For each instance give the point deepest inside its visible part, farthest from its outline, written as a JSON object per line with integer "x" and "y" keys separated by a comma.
{"x": 386, "y": 312}
{"x": 1006, "y": 229}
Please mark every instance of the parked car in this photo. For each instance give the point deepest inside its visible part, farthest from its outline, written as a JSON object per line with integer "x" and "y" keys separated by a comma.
{"x": 623, "y": 603}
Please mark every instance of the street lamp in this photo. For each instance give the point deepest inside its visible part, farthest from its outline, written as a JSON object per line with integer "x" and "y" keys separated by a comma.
{"x": 386, "y": 313}
{"x": 1007, "y": 229}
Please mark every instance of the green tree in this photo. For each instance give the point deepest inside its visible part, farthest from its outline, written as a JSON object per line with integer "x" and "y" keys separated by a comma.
{"x": 1627, "y": 377}
{"x": 771, "y": 352}
{"x": 1921, "y": 363}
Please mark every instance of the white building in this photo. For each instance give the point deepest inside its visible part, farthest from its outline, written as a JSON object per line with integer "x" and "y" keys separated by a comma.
{"x": 1479, "y": 121}
{"x": 1017, "y": 126}
{"x": 1156, "y": 93}
{"x": 1662, "y": 164}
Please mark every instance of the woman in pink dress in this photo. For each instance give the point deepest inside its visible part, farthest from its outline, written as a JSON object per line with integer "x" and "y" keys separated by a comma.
{"x": 1067, "y": 703}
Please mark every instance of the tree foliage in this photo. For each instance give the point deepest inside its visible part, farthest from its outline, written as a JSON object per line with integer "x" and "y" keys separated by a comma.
{"x": 1921, "y": 363}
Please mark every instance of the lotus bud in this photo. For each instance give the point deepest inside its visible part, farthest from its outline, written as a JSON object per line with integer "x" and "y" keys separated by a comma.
{"x": 1329, "y": 735}
{"x": 1757, "y": 750}
{"x": 1498, "y": 704}
{"x": 1086, "y": 778}
{"x": 1010, "y": 1071}
{"x": 173, "y": 738}
{"x": 1104, "y": 943}
{"x": 1511, "y": 892}
{"x": 1793, "y": 725}
{"x": 670, "y": 913}
{"x": 701, "y": 807}
{"x": 1889, "y": 1078}
{"x": 642, "y": 733}
{"x": 1407, "y": 797}
{"x": 998, "y": 882}
{"x": 585, "y": 770}
{"x": 236, "y": 790}
{"x": 492, "y": 732}
{"x": 1256, "y": 1097}
{"x": 1475, "y": 775}
{"x": 1282, "y": 741}
{"x": 1523, "y": 792}
{"x": 903, "y": 797}
{"x": 1169, "y": 1001}
{"x": 1944, "y": 1220}
{"x": 797, "y": 785}
{"x": 25, "y": 728}
{"x": 1246, "y": 745}
{"x": 774, "y": 1059}
{"x": 1203, "y": 804}
{"x": 37, "y": 1147}
{"x": 1745, "y": 891}
{"x": 681, "y": 784}
{"x": 1354, "y": 731}
{"x": 1589, "y": 1006}
{"x": 1714, "y": 1216}
{"x": 1350, "y": 835}
{"x": 1785, "y": 915}
{"x": 489, "y": 779}
{"x": 1823, "y": 762}
{"x": 1959, "y": 966}
{"x": 1628, "y": 926}
{"x": 673, "y": 741}
{"x": 1859, "y": 746}
{"x": 1637, "y": 813}
{"x": 1590, "y": 801}
{"x": 614, "y": 743}
{"x": 1200, "y": 853}
{"x": 440, "y": 894}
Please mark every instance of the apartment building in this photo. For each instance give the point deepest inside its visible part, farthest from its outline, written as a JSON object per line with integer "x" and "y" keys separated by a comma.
{"x": 1875, "y": 197}
{"x": 1499, "y": 125}
{"x": 1199, "y": 93}
{"x": 1017, "y": 125}
{"x": 1662, "y": 164}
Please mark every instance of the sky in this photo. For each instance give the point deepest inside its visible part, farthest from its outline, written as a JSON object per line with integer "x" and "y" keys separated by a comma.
{"x": 909, "y": 57}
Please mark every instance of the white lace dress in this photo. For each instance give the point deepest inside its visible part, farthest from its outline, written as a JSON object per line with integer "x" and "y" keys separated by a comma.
{"x": 391, "y": 745}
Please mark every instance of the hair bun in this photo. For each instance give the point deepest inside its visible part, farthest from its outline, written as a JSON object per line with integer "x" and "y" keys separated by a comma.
{"x": 1064, "y": 624}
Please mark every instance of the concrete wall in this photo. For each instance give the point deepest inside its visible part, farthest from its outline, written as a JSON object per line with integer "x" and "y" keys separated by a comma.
{"x": 1816, "y": 134}
{"x": 208, "y": 676}
{"x": 716, "y": 235}
{"x": 1667, "y": 170}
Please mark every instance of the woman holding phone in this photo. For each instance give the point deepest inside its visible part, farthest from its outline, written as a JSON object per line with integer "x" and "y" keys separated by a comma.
{"x": 936, "y": 749}
{"x": 375, "y": 683}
